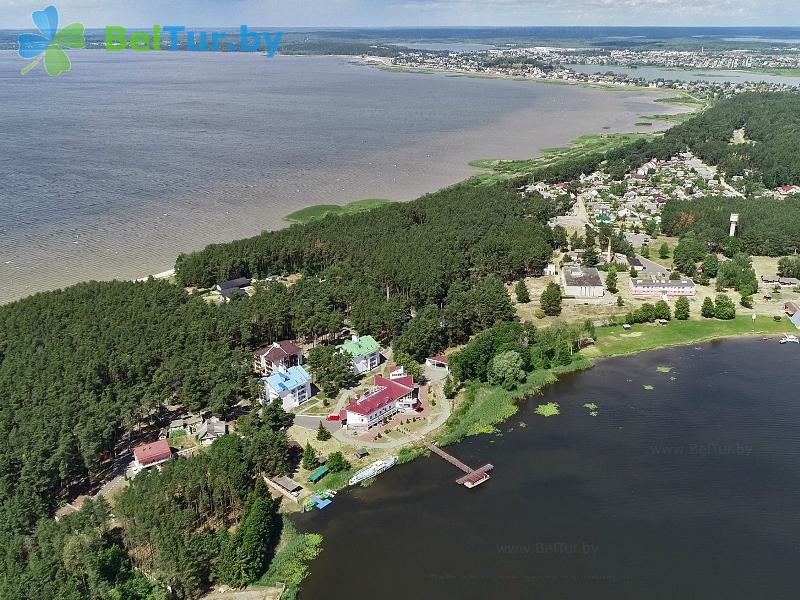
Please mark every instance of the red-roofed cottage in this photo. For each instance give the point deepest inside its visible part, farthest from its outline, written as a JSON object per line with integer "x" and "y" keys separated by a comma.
{"x": 278, "y": 357}
{"x": 150, "y": 455}
{"x": 386, "y": 398}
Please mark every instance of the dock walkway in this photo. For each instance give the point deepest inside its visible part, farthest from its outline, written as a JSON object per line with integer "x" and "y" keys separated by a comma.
{"x": 472, "y": 477}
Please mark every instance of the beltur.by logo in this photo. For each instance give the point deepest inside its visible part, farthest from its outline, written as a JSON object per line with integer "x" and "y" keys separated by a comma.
{"x": 196, "y": 41}
{"x": 49, "y": 44}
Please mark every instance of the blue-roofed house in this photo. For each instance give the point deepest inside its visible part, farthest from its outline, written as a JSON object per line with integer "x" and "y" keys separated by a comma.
{"x": 292, "y": 386}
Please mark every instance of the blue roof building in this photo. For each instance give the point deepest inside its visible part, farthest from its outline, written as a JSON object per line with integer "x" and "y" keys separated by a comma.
{"x": 292, "y": 386}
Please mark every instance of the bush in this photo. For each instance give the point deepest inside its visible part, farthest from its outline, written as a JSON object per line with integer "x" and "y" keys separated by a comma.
{"x": 337, "y": 462}
{"x": 539, "y": 314}
{"x": 708, "y": 309}
{"x": 746, "y": 301}
{"x": 662, "y": 310}
{"x": 551, "y": 299}
{"x": 521, "y": 290}
{"x": 682, "y": 308}
{"x": 724, "y": 308}
{"x": 611, "y": 281}
{"x": 322, "y": 433}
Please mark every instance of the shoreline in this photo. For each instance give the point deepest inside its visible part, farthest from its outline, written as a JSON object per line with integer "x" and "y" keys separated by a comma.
{"x": 538, "y": 381}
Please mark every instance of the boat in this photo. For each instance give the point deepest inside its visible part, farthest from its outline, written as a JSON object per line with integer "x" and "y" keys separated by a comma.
{"x": 789, "y": 339}
{"x": 374, "y": 469}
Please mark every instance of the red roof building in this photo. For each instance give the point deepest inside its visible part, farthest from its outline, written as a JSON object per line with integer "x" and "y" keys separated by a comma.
{"x": 278, "y": 356}
{"x": 148, "y": 455}
{"x": 387, "y": 397}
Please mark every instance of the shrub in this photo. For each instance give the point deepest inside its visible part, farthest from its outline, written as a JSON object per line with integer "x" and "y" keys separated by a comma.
{"x": 521, "y": 290}
{"x": 708, "y": 309}
{"x": 682, "y": 308}
{"x": 724, "y": 308}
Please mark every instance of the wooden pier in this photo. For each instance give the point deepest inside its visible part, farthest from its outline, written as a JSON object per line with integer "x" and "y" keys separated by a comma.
{"x": 473, "y": 477}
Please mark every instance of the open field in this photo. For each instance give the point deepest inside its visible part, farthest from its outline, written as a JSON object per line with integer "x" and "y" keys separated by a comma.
{"x": 319, "y": 211}
{"x": 615, "y": 341}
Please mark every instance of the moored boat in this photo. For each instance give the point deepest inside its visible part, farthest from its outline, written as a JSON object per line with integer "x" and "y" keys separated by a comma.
{"x": 372, "y": 470}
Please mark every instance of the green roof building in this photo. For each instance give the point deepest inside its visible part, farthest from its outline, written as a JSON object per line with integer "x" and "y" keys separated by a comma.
{"x": 366, "y": 353}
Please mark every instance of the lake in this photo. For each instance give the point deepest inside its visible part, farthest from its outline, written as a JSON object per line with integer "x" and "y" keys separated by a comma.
{"x": 113, "y": 169}
{"x": 688, "y": 490}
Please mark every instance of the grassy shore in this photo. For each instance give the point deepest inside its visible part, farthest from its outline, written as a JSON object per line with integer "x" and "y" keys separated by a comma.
{"x": 319, "y": 211}
{"x": 615, "y": 341}
{"x": 290, "y": 564}
{"x": 485, "y": 406}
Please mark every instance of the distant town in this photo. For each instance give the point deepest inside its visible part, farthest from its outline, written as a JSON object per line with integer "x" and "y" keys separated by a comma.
{"x": 556, "y": 64}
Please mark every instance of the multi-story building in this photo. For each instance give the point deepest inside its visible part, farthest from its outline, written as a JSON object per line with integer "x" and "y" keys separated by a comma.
{"x": 292, "y": 386}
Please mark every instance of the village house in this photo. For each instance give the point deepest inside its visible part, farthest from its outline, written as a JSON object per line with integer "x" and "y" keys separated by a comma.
{"x": 151, "y": 455}
{"x": 582, "y": 282}
{"x": 785, "y": 282}
{"x": 386, "y": 398}
{"x": 233, "y": 288}
{"x": 188, "y": 424}
{"x": 278, "y": 356}
{"x": 793, "y": 312}
{"x": 211, "y": 430}
{"x": 662, "y": 287}
{"x": 292, "y": 386}
{"x": 366, "y": 353}
{"x": 437, "y": 362}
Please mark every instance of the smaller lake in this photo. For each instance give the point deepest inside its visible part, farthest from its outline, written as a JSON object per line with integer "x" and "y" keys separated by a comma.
{"x": 718, "y": 75}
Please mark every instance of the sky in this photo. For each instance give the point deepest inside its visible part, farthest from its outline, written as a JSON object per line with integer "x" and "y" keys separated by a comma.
{"x": 415, "y": 13}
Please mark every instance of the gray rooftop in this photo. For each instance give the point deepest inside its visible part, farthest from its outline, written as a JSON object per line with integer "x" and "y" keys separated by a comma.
{"x": 582, "y": 276}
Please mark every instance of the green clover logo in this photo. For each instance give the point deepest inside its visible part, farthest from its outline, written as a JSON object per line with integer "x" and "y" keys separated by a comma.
{"x": 50, "y": 44}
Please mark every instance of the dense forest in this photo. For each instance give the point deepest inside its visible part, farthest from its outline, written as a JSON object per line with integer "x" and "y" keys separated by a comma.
{"x": 771, "y": 124}
{"x": 767, "y": 226}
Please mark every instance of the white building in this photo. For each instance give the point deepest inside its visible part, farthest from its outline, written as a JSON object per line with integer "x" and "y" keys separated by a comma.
{"x": 662, "y": 288}
{"x": 386, "y": 398}
{"x": 366, "y": 353}
{"x": 292, "y": 386}
{"x": 582, "y": 282}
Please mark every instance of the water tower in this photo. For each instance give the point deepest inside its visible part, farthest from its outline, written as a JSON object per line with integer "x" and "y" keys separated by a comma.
{"x": 734, "y": 222}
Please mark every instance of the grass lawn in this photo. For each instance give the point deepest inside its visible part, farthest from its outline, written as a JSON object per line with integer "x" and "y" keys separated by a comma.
{"x": 615, "y": 341}
{"x": 319, "y": 211}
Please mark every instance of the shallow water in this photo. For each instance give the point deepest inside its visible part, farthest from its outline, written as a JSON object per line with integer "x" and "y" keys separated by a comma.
{"x": 685, "y": 491}
{"x": 114, "y": 168}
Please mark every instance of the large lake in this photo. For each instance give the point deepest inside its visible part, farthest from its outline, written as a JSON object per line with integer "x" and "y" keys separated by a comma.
{"x": 686, "y": 491}
{"x": 114, "y": 168}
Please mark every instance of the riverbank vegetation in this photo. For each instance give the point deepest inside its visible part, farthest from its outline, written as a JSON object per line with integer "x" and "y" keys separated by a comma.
{"x": 319, "y": 211}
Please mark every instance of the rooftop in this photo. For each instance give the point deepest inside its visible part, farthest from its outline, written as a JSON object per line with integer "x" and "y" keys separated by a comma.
{"x": 150, "y": 453}
{"x": 278, "y": 350}
{"x": 662, "y": 282}
{"x": 385, "y": 392}
{"x": 582, "y": 276}
{"x": 360, "y": 346}
{"x": 293, "y": 378}
{"x": 239, "y": 282}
